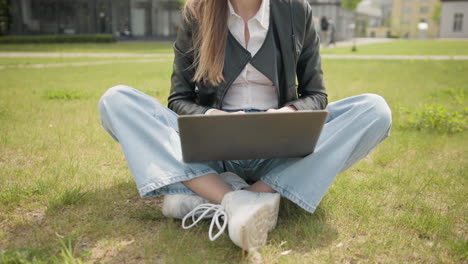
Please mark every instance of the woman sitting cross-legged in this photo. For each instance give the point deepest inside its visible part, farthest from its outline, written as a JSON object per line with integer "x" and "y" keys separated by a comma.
{"x": 232, "y": 57}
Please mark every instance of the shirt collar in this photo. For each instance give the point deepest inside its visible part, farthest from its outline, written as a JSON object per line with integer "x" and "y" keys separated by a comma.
{"x": 262, "y": 15}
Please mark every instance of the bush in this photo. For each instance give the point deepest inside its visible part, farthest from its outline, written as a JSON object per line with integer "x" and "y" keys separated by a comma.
{"x": 63, "y": 95}
{"x": 437, "y": 117}
{"x": 446, "y": 112}
{"x": 98, "y": 38}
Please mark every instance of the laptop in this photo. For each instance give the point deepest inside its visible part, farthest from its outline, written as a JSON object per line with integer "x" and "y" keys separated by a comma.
{"x": 258, "y": 135}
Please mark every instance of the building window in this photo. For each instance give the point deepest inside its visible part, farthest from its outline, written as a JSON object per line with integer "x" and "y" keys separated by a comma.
{"x": 423, "y": 9}
{"x": 406, "y": 20}
{"x": 424, "y": 1}
{"x": 407, "y": 10}
{"x": 457, "y": 22}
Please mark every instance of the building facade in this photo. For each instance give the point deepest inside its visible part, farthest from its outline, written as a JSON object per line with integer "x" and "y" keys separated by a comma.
{"x": 157, "y": 18}
{"x": 143, "y": 19}
{"x": 454, "y": 19}
{"x": 125, "y": 18}
{"x": 370, "y": 20}
{"x": 410, "y": 16}
{"x": 344, "y": 20}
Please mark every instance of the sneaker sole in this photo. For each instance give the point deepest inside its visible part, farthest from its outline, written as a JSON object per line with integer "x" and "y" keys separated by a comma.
{"x": 254, "y": 232}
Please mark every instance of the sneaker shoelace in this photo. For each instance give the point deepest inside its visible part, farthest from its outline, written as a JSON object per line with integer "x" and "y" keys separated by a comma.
{"x": 204, "y": 211}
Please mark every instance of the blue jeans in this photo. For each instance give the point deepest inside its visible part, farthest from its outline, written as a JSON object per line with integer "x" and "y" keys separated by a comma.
{"x": 148, "y": 134}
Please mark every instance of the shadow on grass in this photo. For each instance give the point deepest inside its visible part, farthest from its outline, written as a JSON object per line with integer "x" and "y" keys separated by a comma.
{"x": 115, "y": 225}
{"x": 301, "y": 230}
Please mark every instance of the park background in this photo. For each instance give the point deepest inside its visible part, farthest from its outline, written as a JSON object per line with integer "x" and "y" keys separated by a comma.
{"x": 67, "y": 196}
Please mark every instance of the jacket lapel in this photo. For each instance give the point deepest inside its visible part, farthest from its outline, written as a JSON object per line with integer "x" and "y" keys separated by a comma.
{"x": 283, "y": 36}
{"x": 235, "y": 59}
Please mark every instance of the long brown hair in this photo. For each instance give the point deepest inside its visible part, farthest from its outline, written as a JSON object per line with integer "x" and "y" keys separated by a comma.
{"x": 209, "y": 39}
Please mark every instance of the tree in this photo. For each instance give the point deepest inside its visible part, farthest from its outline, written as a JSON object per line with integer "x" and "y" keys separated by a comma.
{"x": 181, "y": 3}
{"x": 350, "y": 4}
{"x": 437, "y": 13}
{"x": 5, "y": 16}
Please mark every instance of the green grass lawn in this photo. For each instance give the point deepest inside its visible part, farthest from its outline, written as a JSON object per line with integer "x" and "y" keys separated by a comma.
{"x": 406, "y": 47}
{"x": 131, "y": 47}
{"x": 66, "y": 193}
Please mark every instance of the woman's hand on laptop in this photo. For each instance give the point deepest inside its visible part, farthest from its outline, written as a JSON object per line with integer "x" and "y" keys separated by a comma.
{"x": 221, "y": 112}
{"x": 288, "y": 108}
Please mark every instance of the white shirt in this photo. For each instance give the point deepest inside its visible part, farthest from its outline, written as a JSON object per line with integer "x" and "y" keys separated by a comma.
{"x": 251, "y": 89}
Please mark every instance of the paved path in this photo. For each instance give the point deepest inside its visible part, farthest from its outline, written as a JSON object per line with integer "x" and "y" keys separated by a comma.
{"x": 359, "y": 42}
{"x": 152, "y": 57}
{"x": 166, "y": 55}
{"x": 394, "y": 57}
{"x": 80, "y": 55}
{"x": 75, "y": 64}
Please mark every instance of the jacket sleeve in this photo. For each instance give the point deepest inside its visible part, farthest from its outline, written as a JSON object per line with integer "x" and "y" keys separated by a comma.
{"x": 310, "y": 89}
{"x": 182, "y": 98}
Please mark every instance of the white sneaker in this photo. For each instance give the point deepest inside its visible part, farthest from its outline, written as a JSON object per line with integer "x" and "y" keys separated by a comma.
{"x": 179, "y": 205}
{"x": 249, "y": 217}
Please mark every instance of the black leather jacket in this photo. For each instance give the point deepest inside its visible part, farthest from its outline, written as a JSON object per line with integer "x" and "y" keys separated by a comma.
{"x": 280, "y": 60}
